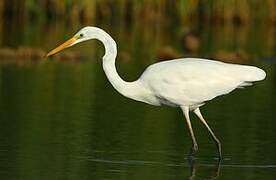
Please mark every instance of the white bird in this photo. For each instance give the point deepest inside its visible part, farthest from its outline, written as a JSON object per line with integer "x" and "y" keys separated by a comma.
{"x": 186, "y": 82}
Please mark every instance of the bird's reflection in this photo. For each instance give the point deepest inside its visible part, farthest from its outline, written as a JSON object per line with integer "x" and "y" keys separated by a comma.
{"x": 193, "y": 170}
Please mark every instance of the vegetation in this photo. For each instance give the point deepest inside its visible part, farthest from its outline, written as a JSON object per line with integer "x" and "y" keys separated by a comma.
{"x": 216, "y": 11}
{"x": 228, "y": 30}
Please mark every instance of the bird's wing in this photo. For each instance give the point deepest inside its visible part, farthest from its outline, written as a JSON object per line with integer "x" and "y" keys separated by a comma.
{"x": 192, "y": 80}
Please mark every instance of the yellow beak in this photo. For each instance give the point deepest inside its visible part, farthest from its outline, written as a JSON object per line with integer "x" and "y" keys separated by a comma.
{"x": 66, "y": 44}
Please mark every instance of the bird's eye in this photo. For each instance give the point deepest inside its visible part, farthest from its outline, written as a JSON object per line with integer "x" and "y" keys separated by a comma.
{"x": 81, "y": 35}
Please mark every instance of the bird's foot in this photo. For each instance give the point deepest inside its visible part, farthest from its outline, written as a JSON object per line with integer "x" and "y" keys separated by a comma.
{"x": 193, "y": 151}
{"x": 219, "y": 151}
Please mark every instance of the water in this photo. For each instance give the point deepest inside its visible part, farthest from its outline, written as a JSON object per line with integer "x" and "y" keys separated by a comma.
{"x": 65, "y": 121}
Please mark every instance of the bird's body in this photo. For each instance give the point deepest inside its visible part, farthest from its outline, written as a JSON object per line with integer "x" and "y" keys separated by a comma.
{"x": 186, "y": 83}
{"x": 191, "y": 81}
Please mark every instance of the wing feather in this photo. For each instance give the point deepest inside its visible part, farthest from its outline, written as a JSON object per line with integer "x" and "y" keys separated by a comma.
{"x": 189, "y": 81}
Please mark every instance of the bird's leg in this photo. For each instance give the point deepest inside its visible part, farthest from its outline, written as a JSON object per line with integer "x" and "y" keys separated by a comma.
{"x": 218, "y": 144}
{"x": 217, "y": 171}
{"x": 192, "y": 169}
{"x": 186, "y": 114}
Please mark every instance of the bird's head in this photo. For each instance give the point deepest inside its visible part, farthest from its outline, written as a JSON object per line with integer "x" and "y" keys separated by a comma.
{"x": 84, "y": 34}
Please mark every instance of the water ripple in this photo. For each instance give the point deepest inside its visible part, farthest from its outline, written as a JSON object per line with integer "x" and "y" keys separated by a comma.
{"x": 152, "y": 163}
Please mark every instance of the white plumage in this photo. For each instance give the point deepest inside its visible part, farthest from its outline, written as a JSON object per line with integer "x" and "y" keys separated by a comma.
{"x": 186, "y": 83}
{"x": 191, "y": 81}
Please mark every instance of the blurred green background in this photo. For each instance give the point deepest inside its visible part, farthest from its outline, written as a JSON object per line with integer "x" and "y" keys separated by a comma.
{"x": 61, "y": 119}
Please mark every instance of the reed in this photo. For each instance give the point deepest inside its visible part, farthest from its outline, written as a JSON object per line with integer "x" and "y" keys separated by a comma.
{"x": 215, "y": 11}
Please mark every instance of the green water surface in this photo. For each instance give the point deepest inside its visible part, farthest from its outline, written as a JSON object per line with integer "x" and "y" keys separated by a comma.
{"x": 65, "y": 121}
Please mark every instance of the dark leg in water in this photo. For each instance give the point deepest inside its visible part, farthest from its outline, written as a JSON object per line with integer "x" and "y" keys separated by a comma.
{"x": 218, "y": 144}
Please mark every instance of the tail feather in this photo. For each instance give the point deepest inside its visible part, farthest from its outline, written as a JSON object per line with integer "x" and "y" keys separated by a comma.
{"x": 254, "y": 74}
{"x": 244, "y": 84}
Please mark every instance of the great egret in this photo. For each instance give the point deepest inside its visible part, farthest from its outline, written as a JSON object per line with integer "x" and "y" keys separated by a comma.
{"x": 186, "y": 83}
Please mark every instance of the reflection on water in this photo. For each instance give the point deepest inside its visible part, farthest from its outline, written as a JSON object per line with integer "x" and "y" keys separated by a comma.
{"x": 65, "y": 121}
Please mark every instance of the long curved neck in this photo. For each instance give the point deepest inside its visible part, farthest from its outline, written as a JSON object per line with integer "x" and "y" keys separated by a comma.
{"x": 128, "y": 89}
